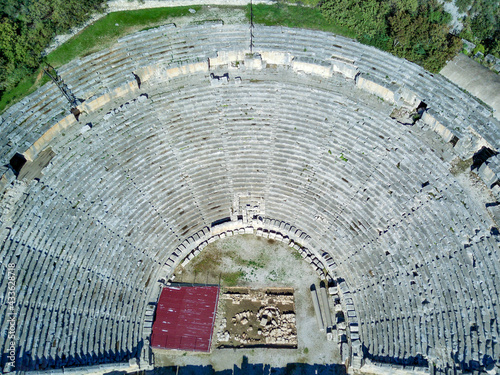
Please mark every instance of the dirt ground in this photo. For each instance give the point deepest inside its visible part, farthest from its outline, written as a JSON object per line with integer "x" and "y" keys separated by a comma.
{"x": 243, "y": 260}
{"x": 256, "y": 318}
{"x": 255, "y": 262}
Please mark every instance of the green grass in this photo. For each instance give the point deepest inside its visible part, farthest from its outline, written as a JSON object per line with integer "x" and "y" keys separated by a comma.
{"x": 25, "y": 87}
{"x": 309, "y": 3}
{"x": 295, "y": 16}
{"x": 104, "y": 31}
{"x": 231, "y": 278}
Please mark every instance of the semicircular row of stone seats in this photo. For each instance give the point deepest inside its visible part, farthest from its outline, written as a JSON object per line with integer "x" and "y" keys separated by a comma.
{"x": 261, "y": 145}
{"x": 181, "y": 143}
{"x": 392, "y": 72}
{"x": 96, "y": 74}
{"x": 457, "y": 215}
{"x": 164, "y": 46}
{"x": 23, "y": 123}
{"x": 66, "y": 268}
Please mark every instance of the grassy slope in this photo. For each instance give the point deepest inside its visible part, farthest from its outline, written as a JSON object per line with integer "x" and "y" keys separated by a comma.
{"x": 98, "y": 36}
{"x": 104, "y": 32}
{"x": 295, "y": 16}
{"x": 25, "y": 87}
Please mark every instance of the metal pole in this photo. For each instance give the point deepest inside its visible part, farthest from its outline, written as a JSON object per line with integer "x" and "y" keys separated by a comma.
{"x": 61, "y": 85}
{"x": 251, "y": 26}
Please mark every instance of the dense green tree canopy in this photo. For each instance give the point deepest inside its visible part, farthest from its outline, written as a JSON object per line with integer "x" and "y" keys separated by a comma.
{"x": 27, "y": 27}
{"x": 417, "y": 31}
{"x": 367, "y": 17}
{"x": 482, "y": 24}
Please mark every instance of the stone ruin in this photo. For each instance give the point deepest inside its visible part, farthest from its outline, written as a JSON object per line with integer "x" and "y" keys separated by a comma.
{"x": 269, "y": 322}
{"x": 294, "y": 144}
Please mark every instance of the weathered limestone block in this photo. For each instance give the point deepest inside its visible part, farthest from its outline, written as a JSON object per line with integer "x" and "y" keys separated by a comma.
{"x": 253, "y": 61}
{"x": 490, "y": 171}
{"x": 276, "y": 58}
{"x": 312, "y": 66}
{"x": 227, "y": 58}
{"x": 42, "y": 142}
{"x": 201, "y": 66}
{"x": 409, "y": 97}
{"x": 147, "y": 72}
{"x": 7, "y": 176}
{"x": 432, "y": 119}
{"x": 96, "y": 103}
{"x": 33, "y": 169}
{"x": 469, "y": 143}
{"x": 495, "y": 211}
{"x": 377, "y": 87}
{"x": 345, "y": 67}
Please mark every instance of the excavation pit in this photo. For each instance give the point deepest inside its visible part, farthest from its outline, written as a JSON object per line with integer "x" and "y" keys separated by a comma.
{"x": 252, "y": 318}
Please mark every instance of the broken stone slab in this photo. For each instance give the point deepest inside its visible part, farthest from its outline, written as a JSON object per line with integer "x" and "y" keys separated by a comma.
{"x": 433, "y": 120}
{"x": 373, "y": 85}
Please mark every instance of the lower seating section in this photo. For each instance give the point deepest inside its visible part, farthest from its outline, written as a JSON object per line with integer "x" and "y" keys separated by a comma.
{"x": 315, "y": 162}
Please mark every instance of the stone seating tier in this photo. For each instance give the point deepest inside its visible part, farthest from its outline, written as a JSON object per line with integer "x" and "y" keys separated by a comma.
{"x": 138, "y": 192}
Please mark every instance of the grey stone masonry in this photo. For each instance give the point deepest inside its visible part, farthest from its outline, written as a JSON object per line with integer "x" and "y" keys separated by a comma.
{"x": 293, "y": 143}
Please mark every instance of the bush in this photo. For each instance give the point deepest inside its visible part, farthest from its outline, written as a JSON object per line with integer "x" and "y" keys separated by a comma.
{"x": 479, "y": 48}
{"x": 463, "y": 5}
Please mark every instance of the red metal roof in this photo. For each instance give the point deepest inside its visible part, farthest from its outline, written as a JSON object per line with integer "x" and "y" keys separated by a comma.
{"x": 185, "y": 317}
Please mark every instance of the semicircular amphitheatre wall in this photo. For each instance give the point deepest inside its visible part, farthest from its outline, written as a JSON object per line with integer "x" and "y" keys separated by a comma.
{"x": 296, "y": 140}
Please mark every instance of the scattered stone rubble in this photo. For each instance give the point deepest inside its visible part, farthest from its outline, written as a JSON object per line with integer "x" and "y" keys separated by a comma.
{"x": 271, "y": 326}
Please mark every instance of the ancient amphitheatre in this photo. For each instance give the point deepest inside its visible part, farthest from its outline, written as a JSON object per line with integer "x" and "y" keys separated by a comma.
{"x": 359, "y": 160}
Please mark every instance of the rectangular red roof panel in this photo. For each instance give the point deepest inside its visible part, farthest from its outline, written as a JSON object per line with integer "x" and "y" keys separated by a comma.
{"x": 185, "y": 318}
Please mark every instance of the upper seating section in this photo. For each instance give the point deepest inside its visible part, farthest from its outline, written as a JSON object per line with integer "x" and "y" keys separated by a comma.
{"x": 92, "y": 76}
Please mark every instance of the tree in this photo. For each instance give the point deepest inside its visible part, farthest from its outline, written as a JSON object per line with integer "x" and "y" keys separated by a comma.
{"x": 423, "y": 38}
{"x": 367, "y": 17}
{"x": 482, "y": 26}
{"x": 26, "y": 29}
{"x": 463, "y": 5}
{"x": 410, "y": 6}
{"x": 8, "y": 35}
